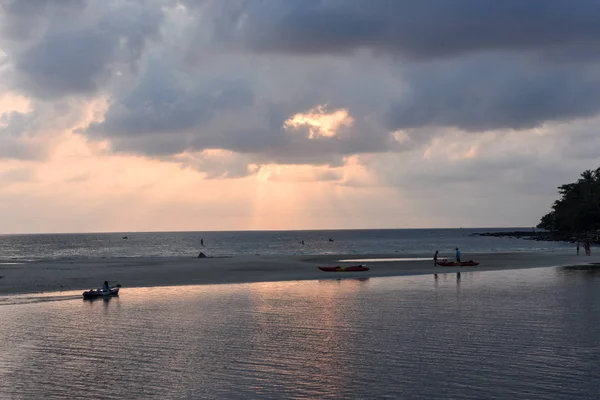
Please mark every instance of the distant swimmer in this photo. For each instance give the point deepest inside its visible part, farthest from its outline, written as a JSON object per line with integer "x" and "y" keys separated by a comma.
{"x": 457, "y": 255}
{"x": 331, "y": 239}
{"x": 302, "y": 243}
{"x": 435, "y": 258}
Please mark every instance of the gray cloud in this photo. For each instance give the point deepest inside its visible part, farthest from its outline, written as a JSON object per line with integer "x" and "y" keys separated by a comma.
{"x": 31, "y": 135}
{"x": 168, "y": 113}
{"x": 424, "y": 29}
{"x": 23, "y": 20}
{"x": 161, "y": 105}
{"x": 522, "y": 165}
{"x": 228, "y": 74}
{"x": 14, "y": 127}
{"x": 481, "y": 65}
{"x": 492, "y": 92}
{"x": 77, "y": 47}
{"x": 66, "y": 63}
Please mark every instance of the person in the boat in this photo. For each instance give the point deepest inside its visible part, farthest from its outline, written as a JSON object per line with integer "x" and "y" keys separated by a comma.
{"x": 106, "y": 287}
{"x": 457, "y": 255}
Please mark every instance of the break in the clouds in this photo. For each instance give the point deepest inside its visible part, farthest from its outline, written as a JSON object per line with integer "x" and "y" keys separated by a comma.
{"x": 302, "y": 81}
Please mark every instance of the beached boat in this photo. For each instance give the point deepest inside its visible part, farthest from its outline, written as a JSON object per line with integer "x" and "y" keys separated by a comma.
{"x": 353, "y": 268}
{"x": 90, "y": 294}
{"x": 469, "y": 263}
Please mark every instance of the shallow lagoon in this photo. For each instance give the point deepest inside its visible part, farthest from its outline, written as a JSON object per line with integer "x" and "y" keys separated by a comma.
{"x": 526, "y": 334}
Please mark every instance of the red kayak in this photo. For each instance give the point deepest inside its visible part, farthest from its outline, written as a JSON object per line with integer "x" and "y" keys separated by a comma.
{"x": 354, "y": 268}
{"x": 457, "y": 264}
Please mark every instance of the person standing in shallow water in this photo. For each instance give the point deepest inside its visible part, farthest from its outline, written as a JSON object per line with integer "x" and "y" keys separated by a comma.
{"x": 588, "y": 249}
{"x": 577, "y": 246}
{"x": 457, "y": 255}
{"x": 435, "y": 258}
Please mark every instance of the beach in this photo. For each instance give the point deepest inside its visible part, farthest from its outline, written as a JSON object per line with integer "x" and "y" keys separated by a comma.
{"x": 81, "y": 274}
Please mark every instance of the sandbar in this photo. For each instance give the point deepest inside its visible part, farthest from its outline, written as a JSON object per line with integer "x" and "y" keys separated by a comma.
{"x": 82, "y": 274}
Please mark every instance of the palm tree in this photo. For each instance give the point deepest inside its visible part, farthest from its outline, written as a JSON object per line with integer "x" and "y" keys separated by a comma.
{"x": 578, "y": 208}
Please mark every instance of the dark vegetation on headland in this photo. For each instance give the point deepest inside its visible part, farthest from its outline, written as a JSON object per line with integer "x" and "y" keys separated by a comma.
{"x": 534, "y": 235}
{"x": 574, "y": 216}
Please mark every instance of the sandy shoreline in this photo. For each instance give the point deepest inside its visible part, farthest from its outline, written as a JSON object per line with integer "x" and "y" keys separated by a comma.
{"x": 46, "y": 276}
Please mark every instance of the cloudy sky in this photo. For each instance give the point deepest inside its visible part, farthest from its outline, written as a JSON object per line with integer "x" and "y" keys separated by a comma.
{"x": 146, "y": 115}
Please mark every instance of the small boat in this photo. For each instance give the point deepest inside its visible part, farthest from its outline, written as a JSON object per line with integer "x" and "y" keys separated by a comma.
{"x": 93, "y": 293}
{"x": 469, "y": 263}
{"x": 353, "y": 268}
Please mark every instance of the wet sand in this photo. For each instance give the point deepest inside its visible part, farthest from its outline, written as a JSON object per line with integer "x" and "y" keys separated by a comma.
{"x": 44, "y": 276}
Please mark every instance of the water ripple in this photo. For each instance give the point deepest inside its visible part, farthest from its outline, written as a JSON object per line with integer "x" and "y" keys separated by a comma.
{"x": 501, "y": 335}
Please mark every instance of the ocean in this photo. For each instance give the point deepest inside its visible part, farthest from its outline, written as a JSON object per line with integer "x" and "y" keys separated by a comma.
{"x": 168, "y": 244}
{"x": 520, "y": 334}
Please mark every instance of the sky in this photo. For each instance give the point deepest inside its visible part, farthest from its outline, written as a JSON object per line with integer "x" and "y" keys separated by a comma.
{"x": 165, "y": 115}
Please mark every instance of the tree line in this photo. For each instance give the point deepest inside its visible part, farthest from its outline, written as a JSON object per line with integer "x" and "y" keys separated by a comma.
{"x": 577, "y": 211}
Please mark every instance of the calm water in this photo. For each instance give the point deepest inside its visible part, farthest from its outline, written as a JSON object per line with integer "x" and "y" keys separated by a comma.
{"x": 157, "y": 244}
{"x": 523, "y": 334}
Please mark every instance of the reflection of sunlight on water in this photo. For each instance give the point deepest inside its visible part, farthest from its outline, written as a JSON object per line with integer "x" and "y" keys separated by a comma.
{"x": 39, "y": 297}
{"x": 399, "y": 337}
{"x": 316, "y": 323}
{"x": 386, "y": 259}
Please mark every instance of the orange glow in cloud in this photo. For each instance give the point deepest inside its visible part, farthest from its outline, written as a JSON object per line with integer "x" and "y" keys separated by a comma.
{"x": 298, "y": 173}
{"x": 12, "y": 102}
{"x": 81, "y": 186}
{"x": 400, "y": 136}
{"x": 459, "y": 146}
{"x": 319, "y": 122}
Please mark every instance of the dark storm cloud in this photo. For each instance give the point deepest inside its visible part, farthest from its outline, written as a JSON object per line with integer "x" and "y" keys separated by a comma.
{"x": 420, "y": 29}
{"x": 228, "y": 74}
{"x": 471, "y": 64}
{"x": 66, "y": 63}
{"x": 79, "y": 47}
{"x": 32, "y": 8}
{"x": 161, "y": 105}
{"x": 167, "y": 114}
{"x": 494, "y": 92}
{"x": 23, "y": 19}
